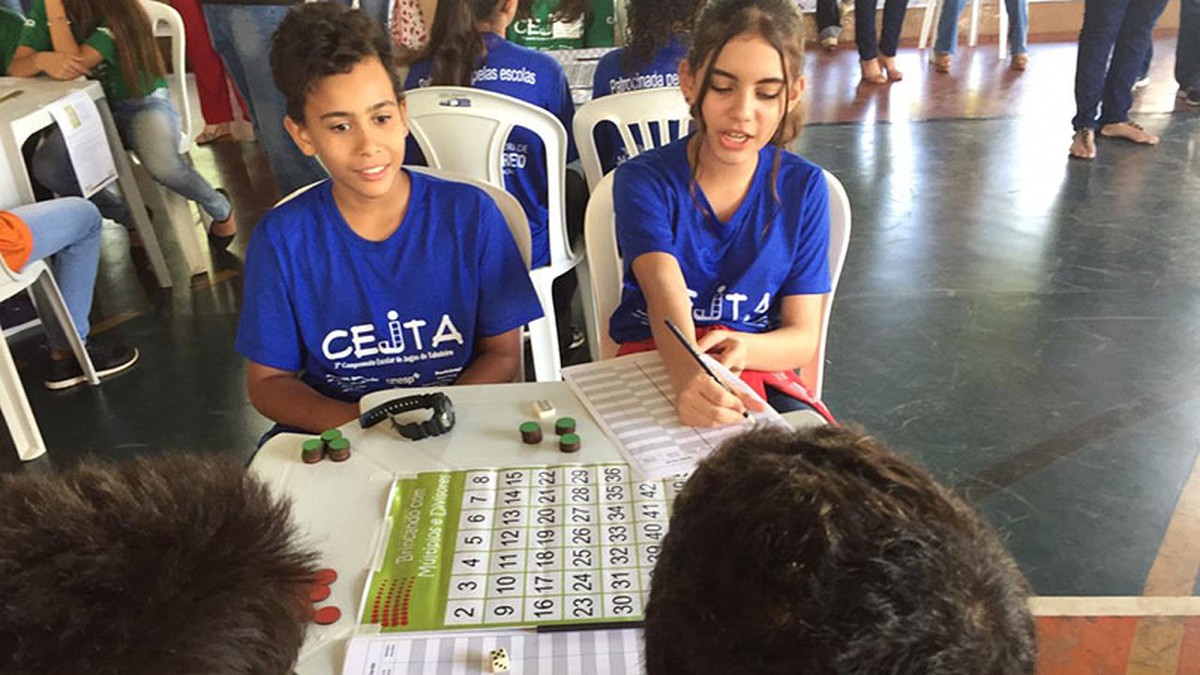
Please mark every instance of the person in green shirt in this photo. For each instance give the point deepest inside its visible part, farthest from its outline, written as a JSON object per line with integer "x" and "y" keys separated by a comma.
{"x": 111, "y": 41}
{"x": 11, "y": 25}
{"x": 563, "y": 24}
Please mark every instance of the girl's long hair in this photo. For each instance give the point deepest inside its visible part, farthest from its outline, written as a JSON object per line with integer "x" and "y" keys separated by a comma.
{"x": 456, "y": 47}
{"x": 652, "y": 24}
{"x": 779, "y": 23}
{"x": 137, "y": 50}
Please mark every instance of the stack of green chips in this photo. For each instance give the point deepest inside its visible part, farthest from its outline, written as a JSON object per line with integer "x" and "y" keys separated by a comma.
{"x": 330, "y": 442}
{"x": 313, "y": 450}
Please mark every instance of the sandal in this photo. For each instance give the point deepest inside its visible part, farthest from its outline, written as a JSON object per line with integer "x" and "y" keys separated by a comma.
{"x": 220, "y": 242}
{"x": 213, "y": 135}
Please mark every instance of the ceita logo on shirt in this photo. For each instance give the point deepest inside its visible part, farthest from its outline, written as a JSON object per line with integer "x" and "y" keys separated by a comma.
{"x": 410, "y": 340}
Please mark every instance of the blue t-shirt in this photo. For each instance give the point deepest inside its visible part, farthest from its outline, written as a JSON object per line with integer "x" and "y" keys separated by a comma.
{"x": 736, "y": 272}
{"x": 612, "y": 77}
{"x": 535, "y": 78}
{"x": 357, "y": 316}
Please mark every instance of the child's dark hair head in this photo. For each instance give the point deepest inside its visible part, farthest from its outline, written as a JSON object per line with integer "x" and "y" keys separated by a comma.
{"x": 174, "y": 564}
{"x": 779, "y": 22}
{"x": 456, "y": 47}
{"x": 652, "y": 24}
{"x": 319, "y": 39}
{"x": 821, "y": 551}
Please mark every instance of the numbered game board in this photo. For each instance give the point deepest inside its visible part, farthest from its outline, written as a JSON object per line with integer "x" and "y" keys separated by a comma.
{"x": 571, "y": 544}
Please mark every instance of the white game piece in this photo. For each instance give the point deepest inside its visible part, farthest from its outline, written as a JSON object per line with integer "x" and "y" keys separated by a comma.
{"x": 543, "y": 408}
{"x": 499, "y": 660}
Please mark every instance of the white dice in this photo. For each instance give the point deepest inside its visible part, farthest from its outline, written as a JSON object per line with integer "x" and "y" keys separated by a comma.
{"x": 543, "y": 408}
{"x": 498, "y": 660}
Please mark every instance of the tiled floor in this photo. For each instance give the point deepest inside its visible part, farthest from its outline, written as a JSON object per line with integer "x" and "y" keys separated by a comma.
{"x": 1025, "y": 325}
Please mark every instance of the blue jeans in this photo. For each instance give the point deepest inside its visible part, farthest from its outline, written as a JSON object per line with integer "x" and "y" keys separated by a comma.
{"x": 150, "y": 127}
{"x": 889, "y": 34}
{"x": 69, "y": 230}
{"x": 242, "y": 34}
{"x": 1187, "y": 46}
{"x": 1112, "y": 48}
{"x": 947, "y": 31}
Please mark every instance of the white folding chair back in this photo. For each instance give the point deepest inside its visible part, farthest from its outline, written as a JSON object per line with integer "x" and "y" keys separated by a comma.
{"x": 607, "y": 270}
{"x": 464, "y": 130}
{"x": 510, "y": 208}
{"x": 650, "y": 111}
{"x": 18, "y": 416}
{"x": 166, "y": 22}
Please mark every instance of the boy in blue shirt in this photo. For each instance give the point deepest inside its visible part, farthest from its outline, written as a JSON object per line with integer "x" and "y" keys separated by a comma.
{"x": 377, "y": 278}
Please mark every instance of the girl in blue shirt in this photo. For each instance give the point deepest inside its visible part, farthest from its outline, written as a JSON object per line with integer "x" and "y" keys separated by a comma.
{"x": 656, "y": 43}
{"x": 725, "y": 232}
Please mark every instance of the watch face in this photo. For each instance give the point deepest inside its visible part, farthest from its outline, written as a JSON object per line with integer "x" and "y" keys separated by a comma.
{"x": 446, "y": 419}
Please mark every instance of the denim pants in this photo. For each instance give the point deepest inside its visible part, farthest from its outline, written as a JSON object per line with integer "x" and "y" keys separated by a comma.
{"x": 889, "y": 34}
{"x": 150, "y": 127}
{"x": 69, "y": 230}
{"x": 947, "y": 30}
{"x": 1187, "y": 46}
{"x": 1112, "y": 47}
{"x": 242, "y": 36}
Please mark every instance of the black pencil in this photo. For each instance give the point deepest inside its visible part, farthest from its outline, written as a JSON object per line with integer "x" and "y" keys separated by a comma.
{"x": 696, "y": 355}
{"x": 604, "y": 625}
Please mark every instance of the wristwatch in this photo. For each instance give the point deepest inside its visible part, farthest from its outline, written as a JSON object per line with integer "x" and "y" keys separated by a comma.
{"x": 441, "y": 421}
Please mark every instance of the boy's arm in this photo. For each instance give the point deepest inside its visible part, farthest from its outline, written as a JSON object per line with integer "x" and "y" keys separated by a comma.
{"x": 497, "y": 360}
{"x": 280, "y": 396}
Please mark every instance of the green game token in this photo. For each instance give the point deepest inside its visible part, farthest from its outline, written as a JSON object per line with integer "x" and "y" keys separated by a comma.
{"x": 531, "y": 433}
{"x": 330, "y": 434}
{"x": 569, "y": 443}
{"x": 564, "y": 425}
{"x": 312, "y": 451}
{"x": 339, "y": 449}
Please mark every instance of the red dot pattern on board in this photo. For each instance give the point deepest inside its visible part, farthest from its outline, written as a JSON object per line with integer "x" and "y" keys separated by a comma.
{"x": 379, "y": 593}
{"x": 328, "y": 615}
{"x": 404, "y": 606}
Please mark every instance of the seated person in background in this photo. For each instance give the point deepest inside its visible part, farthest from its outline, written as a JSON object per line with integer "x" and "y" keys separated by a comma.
{"x": 111, "y": 41}
{"x": 467, "y": 49}
{"x": 69, "y": 230}
{"x": 564, "y": 24}
{"x": 168, "y": 564}
{"x": 657, "y": 42}
{"x": 377, "y": 278}
{"x": 725, "y": 232}
{"x": 823, "y": 552}
{"x": 11, "y": 25}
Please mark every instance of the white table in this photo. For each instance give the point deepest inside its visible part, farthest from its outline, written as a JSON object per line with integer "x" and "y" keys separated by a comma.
{"x": 26, "y": 114}
{"x": 340, "y": 506}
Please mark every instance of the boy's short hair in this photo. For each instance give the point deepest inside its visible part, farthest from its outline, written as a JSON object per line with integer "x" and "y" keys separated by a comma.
{"x": 172, "y": 564}
{"x": 821, "y": 551}
{"x": 319, "y": 39}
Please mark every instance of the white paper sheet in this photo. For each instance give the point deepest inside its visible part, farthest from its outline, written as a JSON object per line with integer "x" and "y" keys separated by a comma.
{"x": 632, "y": 399}
{"x": 594, "y": 652}
{"x": 87, "y": 145}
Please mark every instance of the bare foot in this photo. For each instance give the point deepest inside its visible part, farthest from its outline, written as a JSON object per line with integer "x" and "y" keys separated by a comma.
{"x": 871, "y": 74}
{"x": 1019, "y": 62}
{"x": 1083, "y": 144}
{"x": 889, "y": 64}
{"x": 941, "y": 62}
{"x": 1130, "y": 131}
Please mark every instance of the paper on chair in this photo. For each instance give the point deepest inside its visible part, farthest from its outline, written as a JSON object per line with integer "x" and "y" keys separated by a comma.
{"x": 632, "y": 400}
{"x": 87, "y": 145}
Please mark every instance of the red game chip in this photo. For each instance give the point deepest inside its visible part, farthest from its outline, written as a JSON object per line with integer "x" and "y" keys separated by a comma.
{"x": 318, "y": 593}
{"x": 325, "y": 576}
{"x": 327, "y": 615}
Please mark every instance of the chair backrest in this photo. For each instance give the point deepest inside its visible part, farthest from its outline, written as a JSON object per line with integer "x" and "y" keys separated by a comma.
{"x": 464, "y": 130}
{"x": 166, "y": 22}
{"x": 648, "y": 111}
{"x": 606, "y": 269}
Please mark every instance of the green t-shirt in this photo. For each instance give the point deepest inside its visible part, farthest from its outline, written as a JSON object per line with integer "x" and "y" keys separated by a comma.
{"x": 594, "y": 29}
{"x": 36, "y": 35}
{"x": 11, "y": 25}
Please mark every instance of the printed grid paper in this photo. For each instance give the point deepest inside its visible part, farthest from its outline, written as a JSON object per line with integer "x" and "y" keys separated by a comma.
{"x": 596, "y": 652}
{"x": 631, "y": 398}
{"x": 524, "y": 546}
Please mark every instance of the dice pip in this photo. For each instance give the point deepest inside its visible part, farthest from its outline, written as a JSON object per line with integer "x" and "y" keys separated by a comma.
{"x": 499, "y": 660}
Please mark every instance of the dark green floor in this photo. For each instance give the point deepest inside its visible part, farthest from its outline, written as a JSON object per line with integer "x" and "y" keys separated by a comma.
{"x": 1025, "y": 326}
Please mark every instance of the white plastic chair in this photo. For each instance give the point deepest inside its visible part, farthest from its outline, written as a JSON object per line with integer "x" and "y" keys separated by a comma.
{"x": 18, "y": 416}
{"x": 607, "y": 270}
{"x": 464, "y": 130}
{"x": 647, "y": 110}
{"x": 933, "y": 14}
{"x": 510, "y": 208}
{"x": 166, "y": 22}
